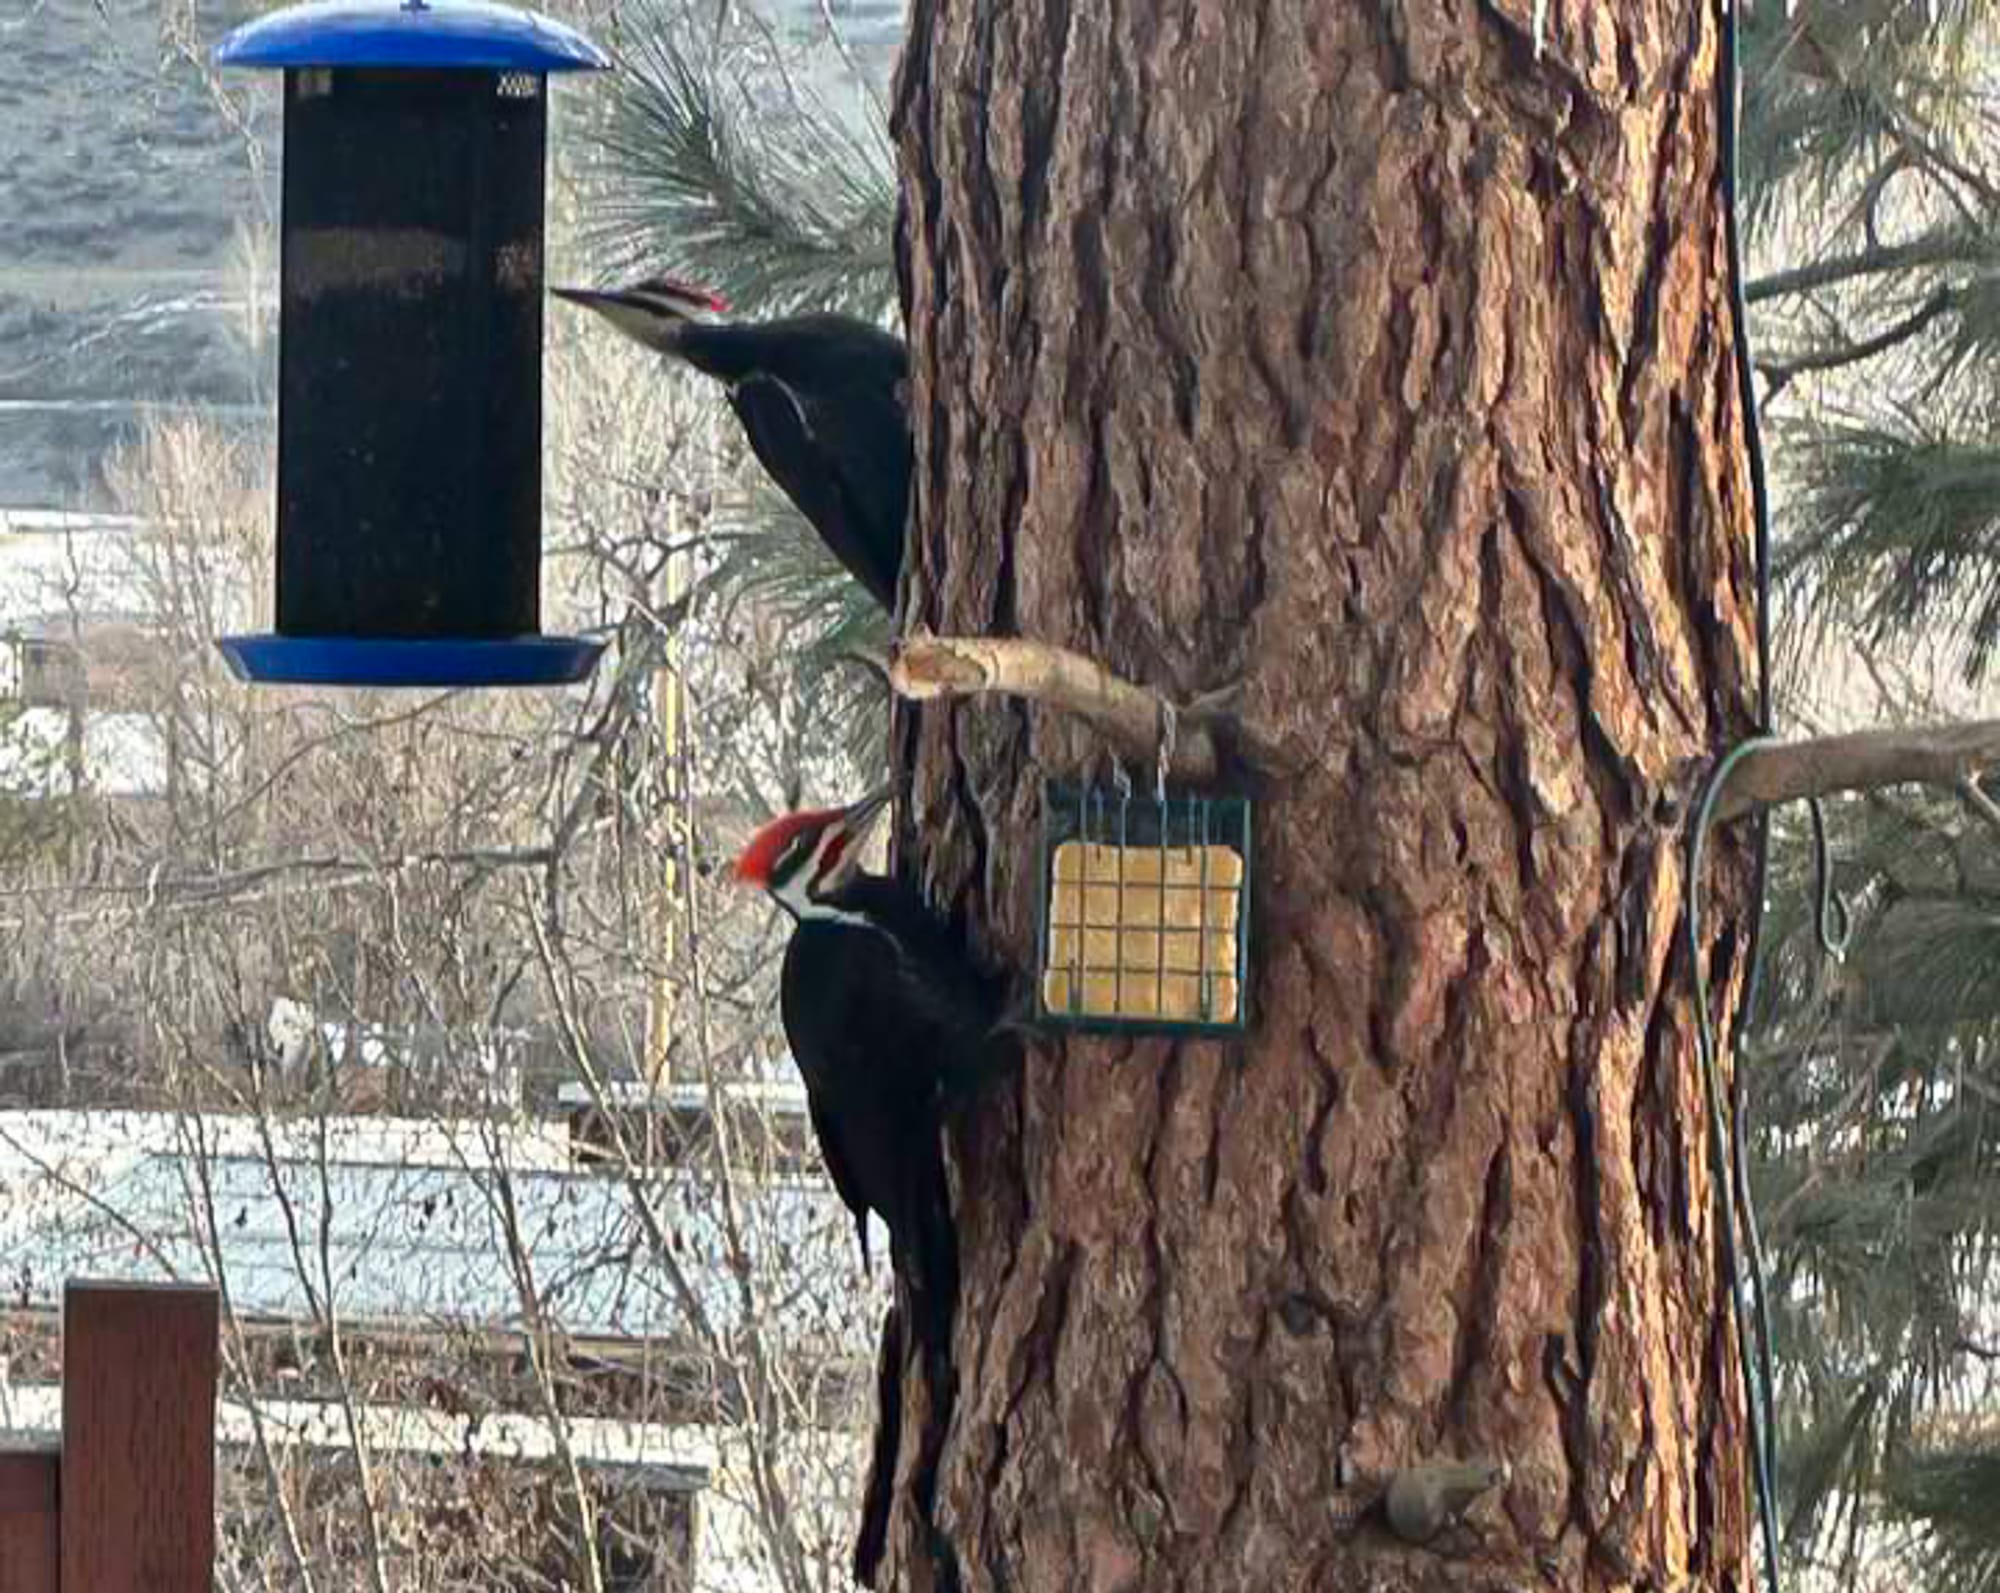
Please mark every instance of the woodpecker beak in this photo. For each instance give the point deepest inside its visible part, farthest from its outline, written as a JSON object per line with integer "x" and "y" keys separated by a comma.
{"x": 620, "y": 310}
{"x": 640, "y": 320}
{"x": 860, "y": 815}
{"x": 590, "y": 298}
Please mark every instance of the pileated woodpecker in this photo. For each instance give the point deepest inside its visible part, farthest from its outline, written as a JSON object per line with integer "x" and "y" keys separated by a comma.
{"x": 819, "y": 396}
{"x": 890, "y": 1024}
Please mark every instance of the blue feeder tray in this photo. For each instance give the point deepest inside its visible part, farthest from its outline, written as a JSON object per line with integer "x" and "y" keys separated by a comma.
{"x": 351, "y": 661}
{"x": 409, "y": 495}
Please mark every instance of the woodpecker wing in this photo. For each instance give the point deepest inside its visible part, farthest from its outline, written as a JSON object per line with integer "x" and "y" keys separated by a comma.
{"x": 820, "y": 398}
{"x": 846, "y": 1183}
{"x": 860, "y": 428}
{"x": 852, "y": 1051}
{"x": 869, "y": 1058}
{"x": 937, "y": 986}
{"x": 804, "y": 445}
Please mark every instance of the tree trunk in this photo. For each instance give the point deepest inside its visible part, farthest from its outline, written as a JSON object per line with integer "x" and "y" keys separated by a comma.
{"x": 1353, "y": 353}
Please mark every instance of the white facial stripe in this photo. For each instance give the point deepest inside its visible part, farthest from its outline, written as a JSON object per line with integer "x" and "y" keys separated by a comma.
{"x": 634, "y": 320}
{"x": 794, "y": 896}
{"x": 804, "y": 887}
{"x": 666, "y": 301}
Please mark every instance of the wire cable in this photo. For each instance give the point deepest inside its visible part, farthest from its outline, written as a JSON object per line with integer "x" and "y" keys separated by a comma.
{"x": 1729, "y": 1145}
{"x": 1727, "y": 1167}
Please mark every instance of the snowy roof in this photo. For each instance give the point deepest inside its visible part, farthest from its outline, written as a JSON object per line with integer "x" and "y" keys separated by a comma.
{"x": 786, "y": 1096}
{"x": 413, "y": 1218}
{"x": 668, "y": 1456}
{"x": 73, "y": 562}
{"x": 675, "y": 1454}
{"x": 124, "y": 755}
{"x": 64, "y": 522}
{"x": 38, "y": 1137}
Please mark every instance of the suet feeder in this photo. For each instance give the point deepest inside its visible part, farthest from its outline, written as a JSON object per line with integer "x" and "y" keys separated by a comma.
{"x": 410, "y": 344}
{"x": 1145, "y": 922}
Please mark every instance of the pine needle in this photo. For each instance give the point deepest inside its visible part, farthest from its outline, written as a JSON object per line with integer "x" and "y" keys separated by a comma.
{"x": 754, "y": 186}
{"x": 1896, "y": 525}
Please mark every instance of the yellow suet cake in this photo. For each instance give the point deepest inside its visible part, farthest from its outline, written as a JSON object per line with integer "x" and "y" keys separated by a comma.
{"x": 1144, "y": 932}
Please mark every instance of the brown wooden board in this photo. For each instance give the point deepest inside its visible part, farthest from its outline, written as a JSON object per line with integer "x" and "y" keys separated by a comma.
{"x": 138, "y": 1463}
{"x": 29, "y": 1556}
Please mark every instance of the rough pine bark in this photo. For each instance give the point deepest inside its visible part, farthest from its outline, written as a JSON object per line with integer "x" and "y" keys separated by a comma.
{"x": 1352, "y": 353}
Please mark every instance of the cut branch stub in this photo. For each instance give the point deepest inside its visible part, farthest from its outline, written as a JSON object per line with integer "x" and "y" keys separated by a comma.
{"x": 1130, "y": 717}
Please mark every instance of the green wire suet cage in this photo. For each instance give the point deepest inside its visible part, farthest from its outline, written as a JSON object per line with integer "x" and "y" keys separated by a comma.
{"x": 1145, "y": 910}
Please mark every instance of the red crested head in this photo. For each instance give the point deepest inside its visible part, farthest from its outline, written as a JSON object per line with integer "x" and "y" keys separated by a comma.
{"x": 656, "y": 312}
{"x": 786, "y": 837}
{"x": 804, "y": 858}
{"x": 678, "y": 289}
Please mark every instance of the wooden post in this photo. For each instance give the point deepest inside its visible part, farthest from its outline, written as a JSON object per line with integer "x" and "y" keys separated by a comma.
{"x": 138, "y": 1455}
{"x": 29, "y": 1553}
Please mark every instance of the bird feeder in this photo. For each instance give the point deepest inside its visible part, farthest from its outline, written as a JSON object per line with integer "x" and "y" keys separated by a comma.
{"x": 410, "y": 344}
{"x": 1145, "y": 922}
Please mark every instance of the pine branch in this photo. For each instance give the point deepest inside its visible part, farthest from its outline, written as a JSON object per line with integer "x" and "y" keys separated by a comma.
{"x": 1895, "y": 526}
{"x": 1947, "y": 1493}
{"x": 1976, "y": 335}
{"x": 1868, "y": 134}
{"x": 1947, "y": 247}
{"x": 753, "y": 187}
{"x": 1782, "y": 372}
{"x": 1836, "y": 86}
{"x": 770, "y": 556}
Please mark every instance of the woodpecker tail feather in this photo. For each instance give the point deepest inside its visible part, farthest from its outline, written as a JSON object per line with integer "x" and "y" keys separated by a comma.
{"x": 924, "y": 1251}
{"x": 878, "y": 1490}
{"x": 928, "y": 1262}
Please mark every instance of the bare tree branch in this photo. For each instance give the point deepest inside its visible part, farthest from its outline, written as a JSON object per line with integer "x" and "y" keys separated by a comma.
{"x": 1134, "y": 719}
{"x": 187, "y": 892}
{"x": 1948, "y": 756}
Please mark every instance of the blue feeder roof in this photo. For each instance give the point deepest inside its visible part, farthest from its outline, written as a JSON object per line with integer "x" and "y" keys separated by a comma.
{"x": 474, "y": 34}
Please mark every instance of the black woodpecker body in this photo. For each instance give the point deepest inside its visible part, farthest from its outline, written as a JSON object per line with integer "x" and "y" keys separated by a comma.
{"x": 890, "y": 1025}
{"x": 820, "y": 397}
